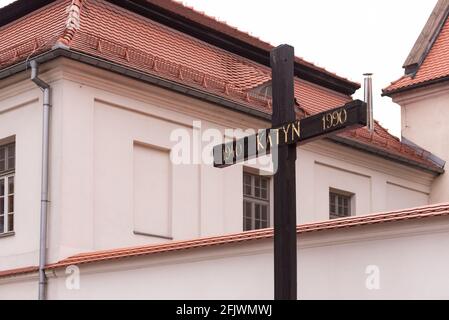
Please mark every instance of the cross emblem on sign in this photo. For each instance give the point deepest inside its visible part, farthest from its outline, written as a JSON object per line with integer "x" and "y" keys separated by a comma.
{"x": 281, "y": 140}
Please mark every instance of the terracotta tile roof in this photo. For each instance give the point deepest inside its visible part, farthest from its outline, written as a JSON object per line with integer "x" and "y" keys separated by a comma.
{"x": 18, "y": 271}
{"x": 315, "y": 99}
{"x": 19, "y": 40}
{"x": 434, "y": 67}
{"x": 395, "y": 216}
{"x": 164, "y": 43}
{"x": 425, "y": 212}
{"x": 383, "y": 140}
{"x": 111, "y": 33}
{"x": 211, "y": 22}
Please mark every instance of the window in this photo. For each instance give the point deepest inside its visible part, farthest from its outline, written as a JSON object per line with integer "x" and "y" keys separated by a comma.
{"x": 256, "y": 202}
{"x": 339, "y": 204}
{"x": 7, "y": 168}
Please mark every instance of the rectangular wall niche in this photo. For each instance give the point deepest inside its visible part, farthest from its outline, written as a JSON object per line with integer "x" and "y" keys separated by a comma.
{"x": 152, "y": 191}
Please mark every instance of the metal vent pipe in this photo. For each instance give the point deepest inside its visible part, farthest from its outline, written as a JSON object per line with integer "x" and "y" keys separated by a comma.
{"x": 369, "y": 99}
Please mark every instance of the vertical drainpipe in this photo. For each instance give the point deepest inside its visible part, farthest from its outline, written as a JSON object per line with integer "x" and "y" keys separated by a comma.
{"x": 44, "y": 182}
{"x": 369, "y": 100}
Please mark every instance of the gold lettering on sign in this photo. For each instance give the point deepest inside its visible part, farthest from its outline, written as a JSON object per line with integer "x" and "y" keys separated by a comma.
{"x": 260, "y": 146}
{"x": 286, "y": 132}
{"x": 238, "y": 150}
{"x": 296, "y": 130}
{"x": 229, "y": 152}
{"x": 333, "y": 119}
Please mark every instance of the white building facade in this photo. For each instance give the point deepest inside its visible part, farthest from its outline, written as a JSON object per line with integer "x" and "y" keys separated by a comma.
{"x": 124, "y": 214}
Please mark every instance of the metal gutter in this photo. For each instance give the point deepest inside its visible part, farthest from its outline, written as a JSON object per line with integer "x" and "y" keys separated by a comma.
{"x": 45, "y": 87}
{"x": 435, "y": 159}
{"x": 152, "y": 79}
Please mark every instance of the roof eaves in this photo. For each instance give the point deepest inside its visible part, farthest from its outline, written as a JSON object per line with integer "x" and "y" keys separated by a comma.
{"x": 425, "y": 212}
{"x": 430, "y": 156}
{"x": 18, "y": 271}
{"x": 439, "y": 210}
{"x": 61, "y": 51}
{"x": 389, "y": 93}
{"x": 434, "y": 169}
{"x": 196, "y": 93}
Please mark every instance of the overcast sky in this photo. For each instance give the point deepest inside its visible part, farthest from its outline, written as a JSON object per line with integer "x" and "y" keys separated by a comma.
{"x": 349, "y": 37}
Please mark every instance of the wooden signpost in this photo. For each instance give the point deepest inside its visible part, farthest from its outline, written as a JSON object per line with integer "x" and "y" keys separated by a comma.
{"x": 281, "y": 141}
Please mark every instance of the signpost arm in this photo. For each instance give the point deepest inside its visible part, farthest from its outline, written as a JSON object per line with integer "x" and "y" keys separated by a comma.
{"x": 285, "y": 237}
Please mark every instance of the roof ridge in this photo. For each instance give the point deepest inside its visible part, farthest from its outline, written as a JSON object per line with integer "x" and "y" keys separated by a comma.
{"x": 418, "y": 72}
{"x": 73, "y": 22}
{"x": 386, "y": 131}
{"x": 427, "y": 37}
{"x": 206, "y": 15}
{"x": 190, "y": 12}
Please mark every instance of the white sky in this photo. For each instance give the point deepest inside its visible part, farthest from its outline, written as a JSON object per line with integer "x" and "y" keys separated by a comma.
{"x": 348, "y": 37}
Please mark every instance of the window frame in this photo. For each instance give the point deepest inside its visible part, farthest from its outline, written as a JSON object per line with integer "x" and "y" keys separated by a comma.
{"x": 340, "y": 195}
{"x": 6, "y": 175}
{"x": 253, "y": 200}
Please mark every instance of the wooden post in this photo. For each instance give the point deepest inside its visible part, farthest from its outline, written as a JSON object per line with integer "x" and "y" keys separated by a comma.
{"x": 285, "y": 237}
{"x": 287, "y": 134}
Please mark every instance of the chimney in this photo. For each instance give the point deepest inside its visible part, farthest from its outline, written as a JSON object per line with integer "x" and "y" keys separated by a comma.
{"x": 369, "y": 99}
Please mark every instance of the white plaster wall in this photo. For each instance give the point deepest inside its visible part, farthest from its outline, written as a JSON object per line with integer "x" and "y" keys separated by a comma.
{"x": 98, "y": 116}
{"x": 99, "y": 127}
{"x": 424, "y": 114}
{"x": 21, "y": 116}
{"x": 152, "y": 191}
{"x": 116, "y": 131}
{"x": 20, "y": 288}
{"x": 328, "y": 177}
{"x": 410, "y": 259}
{"x": 96, "y": 119}
{"x": 323, "y": 165}
{"x": 410, "y": 256}
{"x": 401, "y": 197}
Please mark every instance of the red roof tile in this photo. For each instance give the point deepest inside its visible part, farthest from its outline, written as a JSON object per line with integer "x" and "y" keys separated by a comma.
{"x": 18, "y": 271}
{"x": 434, "y": 67}
{"x": 211, "y": 22}
{"x": 114, "y": 34}
{"x": 383, "y": 140}
{"x": 395, "y": 216}
{"x": 20, "y": 40}
{"x": 425, "y": 212}
{"x": 315, "y": 99}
